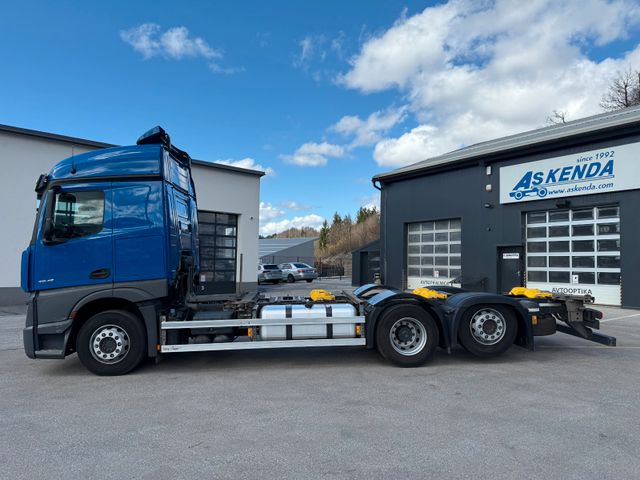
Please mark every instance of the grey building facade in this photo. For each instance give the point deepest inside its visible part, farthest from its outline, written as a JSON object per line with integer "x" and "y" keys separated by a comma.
{"x": 555, "y": 208}
{"x": 365, "y": 264}
{"x": 280, "y": 250}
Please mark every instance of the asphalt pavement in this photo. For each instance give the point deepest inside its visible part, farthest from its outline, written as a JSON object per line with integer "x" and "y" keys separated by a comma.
{"x": 570, "y": 410}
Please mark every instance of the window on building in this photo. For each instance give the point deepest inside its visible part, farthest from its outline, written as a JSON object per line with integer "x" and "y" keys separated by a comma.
{"x": 218, "y": 234}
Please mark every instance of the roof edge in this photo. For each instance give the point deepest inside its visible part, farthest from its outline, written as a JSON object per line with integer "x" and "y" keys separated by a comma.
{"x": 595, "y": 124}
{"x": 222, "y": 166}
{"x": 54, "y": 136}
{"x": 92, "y": 143}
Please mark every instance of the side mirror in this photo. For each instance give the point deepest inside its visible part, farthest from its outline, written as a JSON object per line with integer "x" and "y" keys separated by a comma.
{"x": 47, "y": 226}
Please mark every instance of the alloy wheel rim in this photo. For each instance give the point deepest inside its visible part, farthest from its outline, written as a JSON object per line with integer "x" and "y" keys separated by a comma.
{"x": 109, "y": 344}
{"x": 408, "y": 336}
{"x": 488, "y": 326}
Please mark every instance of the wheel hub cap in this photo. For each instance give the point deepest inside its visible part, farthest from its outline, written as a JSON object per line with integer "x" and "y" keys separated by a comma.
{"x": 109, "y": 344}
{"x": 408, "y": 336}
{"x": 488, "y": 326}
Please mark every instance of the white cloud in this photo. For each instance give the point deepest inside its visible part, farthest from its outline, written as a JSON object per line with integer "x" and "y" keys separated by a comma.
{"x": 272, "y": 219}
{"x": 268, "y": 212}
{"x": 370, "y": 201}
{"x": 311, "y": 220}
{"x": 314, "y": 154}
{"x": 174, "y": 43}
{"x": 472, "y": 71}
{"x": 316, "y": 52}
{"x": 299, "y": 207}
{"x": 249, "y": 163}
{"x": 217, "y": 68}
{"x": 369, "y": 131}
{"x": 307, "y": 48}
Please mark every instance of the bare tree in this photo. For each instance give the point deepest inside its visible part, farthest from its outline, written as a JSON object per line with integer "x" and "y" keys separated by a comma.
{"x": 557, "y": 117}
{"x": 624, "y": 91}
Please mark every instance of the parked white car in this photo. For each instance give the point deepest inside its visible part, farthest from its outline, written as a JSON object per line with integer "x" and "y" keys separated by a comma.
{"x": 298, "y": 271}
{"x": 269, "y": 272}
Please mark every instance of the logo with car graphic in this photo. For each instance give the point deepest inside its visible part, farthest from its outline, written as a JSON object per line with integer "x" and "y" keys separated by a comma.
{"x": 577, "y": 177}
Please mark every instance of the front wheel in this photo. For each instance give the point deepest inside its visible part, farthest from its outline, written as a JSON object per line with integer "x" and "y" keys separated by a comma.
{"x": 113, "y": 342}
{"x": 406, "y": 335}
{"x": 309, "y": 280}
{"x": 487, "y": 331}
{"x": 291, "y": 278}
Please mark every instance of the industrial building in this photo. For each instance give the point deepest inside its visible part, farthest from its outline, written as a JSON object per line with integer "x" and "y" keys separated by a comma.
{"x": 227, "y": 196}
{"x": 554, "y": 208}
{"x": 279, "y": 250}
{"x": 365, "y": 264}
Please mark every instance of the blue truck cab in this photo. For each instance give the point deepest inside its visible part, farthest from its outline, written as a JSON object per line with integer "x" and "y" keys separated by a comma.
{"x": 115, "y": 226}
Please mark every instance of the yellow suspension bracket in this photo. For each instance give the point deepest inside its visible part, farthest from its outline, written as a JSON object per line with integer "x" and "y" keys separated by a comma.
{"x": 529, "y": 292}
{"x": 317, "y": 295}
{"x": 428, "y": 293}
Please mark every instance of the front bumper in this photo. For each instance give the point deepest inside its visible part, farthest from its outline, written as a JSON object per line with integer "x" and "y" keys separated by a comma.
{"x": 48, "y": 340}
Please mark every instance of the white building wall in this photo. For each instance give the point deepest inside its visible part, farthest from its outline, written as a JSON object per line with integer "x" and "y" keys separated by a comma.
{"x": 219, "y": 190}
{"x": 23, "y": 159}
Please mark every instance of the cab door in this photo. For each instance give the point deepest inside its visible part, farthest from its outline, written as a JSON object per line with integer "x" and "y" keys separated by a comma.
{"x": 74, "y": 242}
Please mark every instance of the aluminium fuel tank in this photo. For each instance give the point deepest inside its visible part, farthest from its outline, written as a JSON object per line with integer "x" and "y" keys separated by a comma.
{"x": 324, "y": 311}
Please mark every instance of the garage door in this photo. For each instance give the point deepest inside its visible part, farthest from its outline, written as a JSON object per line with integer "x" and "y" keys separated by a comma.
{"x": 576, "y": 252}
{"x": 434, "y": 253}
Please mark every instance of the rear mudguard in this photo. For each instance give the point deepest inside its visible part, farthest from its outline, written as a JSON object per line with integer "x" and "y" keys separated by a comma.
{"x": 447, "y": 313}
{"x": 457, "y": 305}
{"x": 387, "y": 298}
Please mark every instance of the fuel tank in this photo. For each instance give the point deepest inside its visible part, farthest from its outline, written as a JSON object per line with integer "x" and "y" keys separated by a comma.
{"x": 291, "y": 314}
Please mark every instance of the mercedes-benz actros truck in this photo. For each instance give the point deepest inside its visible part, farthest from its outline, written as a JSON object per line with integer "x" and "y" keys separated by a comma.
{"x": 113, "y": 265}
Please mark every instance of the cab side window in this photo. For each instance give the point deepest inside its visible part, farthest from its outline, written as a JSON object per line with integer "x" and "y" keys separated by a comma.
{"x": 77, "y": 214}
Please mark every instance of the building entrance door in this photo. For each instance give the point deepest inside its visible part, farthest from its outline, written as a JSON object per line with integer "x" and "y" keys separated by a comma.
{"x": 510, "y": 268}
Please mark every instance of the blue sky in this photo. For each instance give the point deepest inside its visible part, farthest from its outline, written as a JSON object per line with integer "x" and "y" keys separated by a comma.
{"x": 324, "y": 94}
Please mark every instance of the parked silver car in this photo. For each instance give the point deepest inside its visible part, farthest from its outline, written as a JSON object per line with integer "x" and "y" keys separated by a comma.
{"x": 298, "y": 271}
{"x": 269, "y": 272}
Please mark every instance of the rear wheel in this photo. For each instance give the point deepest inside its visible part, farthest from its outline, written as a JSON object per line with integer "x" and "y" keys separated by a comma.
{"x": 310, "y": 280}
{"x": 487, "y": 331}
{"x": 406, "y": 335}
{"x": 291, "y": 278}
{"x": 113, "y": 342}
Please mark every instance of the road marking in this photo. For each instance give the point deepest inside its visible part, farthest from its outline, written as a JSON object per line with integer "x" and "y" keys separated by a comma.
{"x": 620, "y": 318}
{"x": 586, "y": 346}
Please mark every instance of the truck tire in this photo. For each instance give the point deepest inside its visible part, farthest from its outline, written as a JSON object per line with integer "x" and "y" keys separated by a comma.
{"x": 406, "y": 335}
{"x": 487, "y": 330}
{"x": 112, "y": 342}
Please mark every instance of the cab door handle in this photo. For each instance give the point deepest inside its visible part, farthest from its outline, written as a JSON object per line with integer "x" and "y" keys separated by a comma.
{"x": 100, "y": 273}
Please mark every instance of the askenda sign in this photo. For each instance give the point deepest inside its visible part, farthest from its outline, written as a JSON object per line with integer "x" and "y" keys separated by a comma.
{"x": 598, "y": 171}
